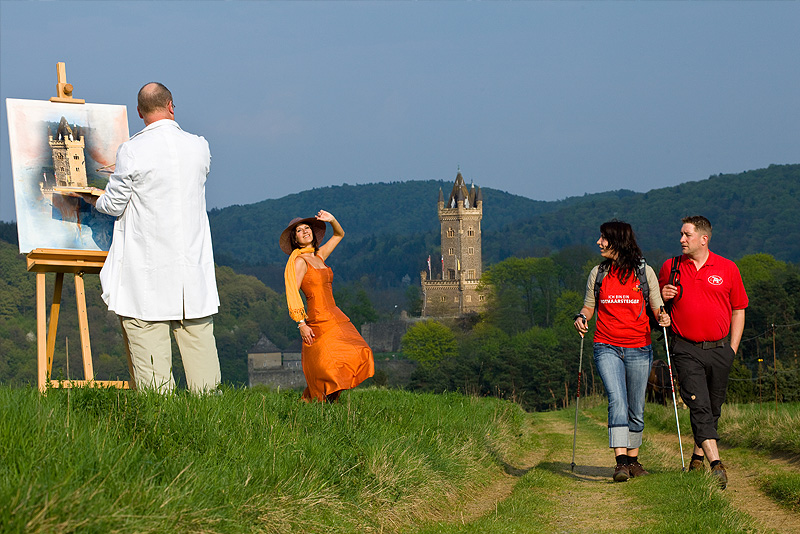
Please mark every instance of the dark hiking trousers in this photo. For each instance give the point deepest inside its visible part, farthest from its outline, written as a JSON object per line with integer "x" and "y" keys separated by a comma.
{"x": 703, "y": 378}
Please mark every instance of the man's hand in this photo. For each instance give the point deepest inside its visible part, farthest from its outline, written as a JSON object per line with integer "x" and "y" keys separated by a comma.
{"x": 669, "y": 292}
{"x": 89, "y": 198}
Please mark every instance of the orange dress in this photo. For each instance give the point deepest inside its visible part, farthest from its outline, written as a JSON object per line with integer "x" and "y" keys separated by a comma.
{"x": 338, "y": 357}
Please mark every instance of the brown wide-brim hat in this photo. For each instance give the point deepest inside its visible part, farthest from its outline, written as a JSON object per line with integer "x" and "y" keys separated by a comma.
{"x": 317, "y": 226}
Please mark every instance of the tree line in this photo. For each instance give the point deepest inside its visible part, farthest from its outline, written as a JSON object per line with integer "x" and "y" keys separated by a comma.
{"x": 525, "y": 348}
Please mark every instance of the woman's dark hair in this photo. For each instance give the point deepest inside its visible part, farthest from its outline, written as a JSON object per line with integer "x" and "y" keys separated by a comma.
{"x": 295, "y": 244}
{"x": 622, "y": 240}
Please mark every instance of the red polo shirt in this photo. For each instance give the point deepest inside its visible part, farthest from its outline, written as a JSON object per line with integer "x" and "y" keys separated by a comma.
{"x": 703, "y": 311}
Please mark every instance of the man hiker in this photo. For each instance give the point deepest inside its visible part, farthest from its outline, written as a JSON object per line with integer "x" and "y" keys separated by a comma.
{"x": 707, "y": 301}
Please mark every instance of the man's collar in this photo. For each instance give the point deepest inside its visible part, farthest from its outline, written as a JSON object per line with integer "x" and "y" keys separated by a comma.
{"x": 157, "y": 124}
{"x": 709, "y": 259}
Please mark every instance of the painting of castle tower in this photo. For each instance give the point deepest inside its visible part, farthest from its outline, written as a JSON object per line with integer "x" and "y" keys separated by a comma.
{"x": 455, "y": 291}
{"x": 56, "y": 146}
{"x": 69, "y": 161}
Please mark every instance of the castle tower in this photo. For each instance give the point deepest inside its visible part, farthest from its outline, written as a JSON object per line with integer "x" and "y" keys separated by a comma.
{"x": 68, "y": 157}
{"x": 455, "y": 293}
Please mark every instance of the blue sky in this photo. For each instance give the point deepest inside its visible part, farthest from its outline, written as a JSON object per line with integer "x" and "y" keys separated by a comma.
{"x": 541, "y": 99}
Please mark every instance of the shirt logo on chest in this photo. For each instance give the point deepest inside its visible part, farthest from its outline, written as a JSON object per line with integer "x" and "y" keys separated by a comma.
{"x": 715, "y": 280}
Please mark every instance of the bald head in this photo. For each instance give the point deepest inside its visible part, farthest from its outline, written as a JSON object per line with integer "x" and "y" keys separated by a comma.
{"x": 155, "y": 103}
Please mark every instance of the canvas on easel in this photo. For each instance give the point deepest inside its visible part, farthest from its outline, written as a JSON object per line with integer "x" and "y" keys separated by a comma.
{"x": 55, "y": 148}
{"x": 60, "y": 149}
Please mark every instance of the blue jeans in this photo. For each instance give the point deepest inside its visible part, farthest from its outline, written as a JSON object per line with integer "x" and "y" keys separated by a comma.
{"x": 624, "y": 372}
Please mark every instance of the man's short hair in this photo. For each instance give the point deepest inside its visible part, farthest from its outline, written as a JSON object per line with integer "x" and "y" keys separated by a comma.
{"x": 702, "y": 224}
{"x": 152, "y": 97}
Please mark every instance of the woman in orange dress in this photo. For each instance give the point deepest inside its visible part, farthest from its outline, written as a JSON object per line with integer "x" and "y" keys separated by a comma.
{"x": 335, "y": 356}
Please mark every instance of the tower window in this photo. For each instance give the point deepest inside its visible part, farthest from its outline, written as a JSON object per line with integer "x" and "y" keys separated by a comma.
{"x": 451, "y": 232}
{"x": 468, "y": 298}
{"x": 471, "y": 231}
{"x": 471, "y": 251}
{"x": 451, "y": 251}
{"x": 471, "y": 274}
{"x": 443, "y": 298}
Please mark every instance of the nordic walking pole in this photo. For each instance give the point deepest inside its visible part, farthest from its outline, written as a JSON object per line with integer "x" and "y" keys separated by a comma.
{"x": 674, "y": 402}
{"x": 577, "y": 402}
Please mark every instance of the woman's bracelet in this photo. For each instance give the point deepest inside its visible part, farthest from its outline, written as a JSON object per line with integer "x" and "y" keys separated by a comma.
{"x": 301, "y": 323}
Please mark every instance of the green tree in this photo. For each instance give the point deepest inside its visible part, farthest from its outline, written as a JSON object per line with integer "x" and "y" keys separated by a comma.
{"x": 527, "y": 287}
{"x": 353, "y": 300}
{"x": 413, "y": 296}
{"x": 429, "y": 343}
{"x": 756, "y": 268}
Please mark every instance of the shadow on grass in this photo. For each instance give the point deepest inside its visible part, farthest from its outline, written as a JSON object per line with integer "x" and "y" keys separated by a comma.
{"x": 789, "y": 458}
{"x": 582, "y": 472}
{"x": 507, "y": 467}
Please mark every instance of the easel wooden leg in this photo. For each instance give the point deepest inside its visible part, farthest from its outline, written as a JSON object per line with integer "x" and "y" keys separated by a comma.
{"x": 83, "y": 327}
{"x": 55, "y": 308}
{"x": 41, "y": 332}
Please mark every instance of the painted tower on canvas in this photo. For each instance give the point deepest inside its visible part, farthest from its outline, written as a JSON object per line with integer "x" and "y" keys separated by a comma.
{"x": 454, "y": 292}
{"x": 68, "y": 156}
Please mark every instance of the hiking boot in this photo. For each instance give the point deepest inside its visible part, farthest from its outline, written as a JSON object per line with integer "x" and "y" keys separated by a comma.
{"x": 636, "y": 470}
{"x": 621, "y": 473}
{"x": 719, "y": 472}
{"x": 697, "y": 465}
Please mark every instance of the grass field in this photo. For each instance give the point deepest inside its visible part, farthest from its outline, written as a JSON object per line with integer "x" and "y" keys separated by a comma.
{"x": 381, "y": 460}
{"x": 244, "y": 461}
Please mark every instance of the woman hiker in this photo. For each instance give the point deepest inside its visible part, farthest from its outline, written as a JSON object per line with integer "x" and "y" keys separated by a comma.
{"x": 335, "y": 357}
{"x": 622, "y": 348}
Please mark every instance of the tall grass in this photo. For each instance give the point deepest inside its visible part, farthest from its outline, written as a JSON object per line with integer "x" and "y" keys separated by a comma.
{"x": 761, "y": 426}
{"x": 750, "y": 433}
{"x": 95, "y": 460}
{"x": 743, "y": 425}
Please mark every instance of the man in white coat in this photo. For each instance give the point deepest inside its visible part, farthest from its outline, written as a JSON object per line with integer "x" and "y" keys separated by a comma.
{"x": 159, "y": 274}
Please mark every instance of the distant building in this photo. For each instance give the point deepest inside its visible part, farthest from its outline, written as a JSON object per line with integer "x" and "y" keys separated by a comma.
{"x": 455, "y": 293}
{"x": 386, "y": 335}
{"x": 69, "y": 161}
{"x": 267, "y": 365}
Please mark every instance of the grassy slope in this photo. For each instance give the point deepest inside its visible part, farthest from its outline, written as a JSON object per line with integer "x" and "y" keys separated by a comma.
{"x": 380, "y": 461}
{"x": 243, "y": 461}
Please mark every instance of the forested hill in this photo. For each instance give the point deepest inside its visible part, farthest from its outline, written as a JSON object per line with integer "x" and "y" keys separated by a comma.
{"x": 392, "y": 227}
{"x": 249, "y": 233}
{"x": 754, "y": 211}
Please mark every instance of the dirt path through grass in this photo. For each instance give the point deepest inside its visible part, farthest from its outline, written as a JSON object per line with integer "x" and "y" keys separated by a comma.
{"x": 744, "y": 471}
{"x": 583, "y": 507}
{"x": 583, "y": 504}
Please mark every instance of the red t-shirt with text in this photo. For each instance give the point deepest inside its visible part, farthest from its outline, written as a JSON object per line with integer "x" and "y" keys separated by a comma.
{"x": 622, "y": 318}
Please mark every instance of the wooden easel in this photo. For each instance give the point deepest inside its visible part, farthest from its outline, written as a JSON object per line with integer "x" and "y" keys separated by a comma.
{"x": 78, "y": 262}
{"x": 63, "y": 88}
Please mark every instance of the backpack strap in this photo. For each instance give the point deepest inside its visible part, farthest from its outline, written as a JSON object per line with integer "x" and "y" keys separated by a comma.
{"x": 676, "y": 265}
{"x": 641, "y": 274}
{"x": 602, "y": 270}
